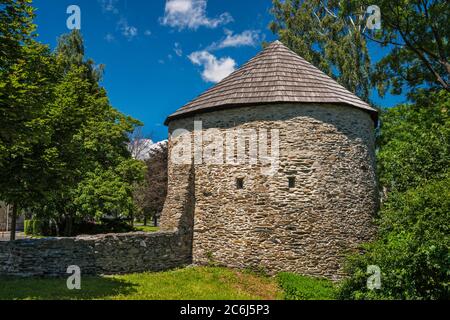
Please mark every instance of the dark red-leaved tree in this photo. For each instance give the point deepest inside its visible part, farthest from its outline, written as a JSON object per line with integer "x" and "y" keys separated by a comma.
{"x": 151, "y": 194}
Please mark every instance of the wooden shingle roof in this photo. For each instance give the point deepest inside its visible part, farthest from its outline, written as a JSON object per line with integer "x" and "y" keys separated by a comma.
{"x": 275, "y": 75}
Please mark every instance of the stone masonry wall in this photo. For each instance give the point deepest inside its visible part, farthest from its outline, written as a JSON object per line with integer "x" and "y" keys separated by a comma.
{"x": 329, "y": 150}
{"x": 103, "y": 254}
{"x": 178, "y": 212}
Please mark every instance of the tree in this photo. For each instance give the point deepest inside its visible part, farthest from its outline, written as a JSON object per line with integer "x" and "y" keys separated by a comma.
{"x": 414, "y": 142}
{"x": 412, "y": 249}
{"x": 107, "y": 193}
{"x": 319, "y": 32}
{"x": 418, "y": 35}
{"x": 95, "y": 171}
{"x": 26, "y": 76}
{"x": 58, "y": 131}
{"x": 70, "y": 51}
{"x": 140, "y": 145}
{"x": 16, "y": 28}
{"x": 150, "y": 195}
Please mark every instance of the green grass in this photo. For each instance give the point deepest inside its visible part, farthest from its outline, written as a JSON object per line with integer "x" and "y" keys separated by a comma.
{"x": 297, "y": 287}
{"x": 200, "y": 283}
{"x": 146, "y": 228}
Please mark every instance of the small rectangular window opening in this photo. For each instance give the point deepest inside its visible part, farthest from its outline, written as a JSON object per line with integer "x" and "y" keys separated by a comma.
{"x": 240, "y": 183}
{"x": 291, "y": 182}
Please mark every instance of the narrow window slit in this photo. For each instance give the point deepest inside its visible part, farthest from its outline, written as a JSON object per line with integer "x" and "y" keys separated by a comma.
{"x": 291, "y": 182}
{"x": 240, "y": 183}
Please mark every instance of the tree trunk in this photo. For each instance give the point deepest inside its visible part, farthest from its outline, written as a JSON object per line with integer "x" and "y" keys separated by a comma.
{"x": 145, "y": 220}
{"x": 13, "y": 222}
{"x": 68, "y": 226}
{"x": 55, "y": 223}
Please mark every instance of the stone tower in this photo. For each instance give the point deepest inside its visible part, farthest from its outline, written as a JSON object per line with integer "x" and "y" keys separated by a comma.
{"x": 273, "y": 168}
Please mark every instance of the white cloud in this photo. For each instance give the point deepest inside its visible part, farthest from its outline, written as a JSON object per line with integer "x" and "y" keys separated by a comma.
{"x": 144, "y": 149}
{"x": 109, "y": 6}
{"x": 214, "y": 69}
{"x": 246, "y": 38}
{"x": 178, "y": 50}
{"x": 147, "y": 33}
{"x": 127, "y": 31}
{"x": 191, "y": 14}
{"x": 110, "y": 37}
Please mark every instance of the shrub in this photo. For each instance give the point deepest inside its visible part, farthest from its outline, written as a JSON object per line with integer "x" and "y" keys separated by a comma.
{"x": 37, "y": 227}
{"x": 414, "y": 142}
{"x": 41, "y": 227}
{"x": 28, "y": 227}
{"x": 297, "y": 287}
{"x": 106, "y": 226}
{"x": 412, "y": 250}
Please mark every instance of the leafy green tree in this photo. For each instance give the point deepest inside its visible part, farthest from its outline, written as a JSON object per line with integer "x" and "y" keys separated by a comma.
{"x": 58, "y": 129}
{"x": 107, "y": 193}
{"x": 16, "y": 28}
{"x": 414, "y": 142}
{"x": 71, "y": 52}
{"x": 418, "y": 35}
{"x": 26, "y": 76}
{"x": 412, "y": 249}
{"x": 319, "y": 32}
{"x": 91, "y": 138}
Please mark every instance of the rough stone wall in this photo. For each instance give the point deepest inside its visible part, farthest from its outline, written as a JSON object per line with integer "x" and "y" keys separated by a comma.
{"x": 307, "y": 229}
{"x": 103, "y": 254}
{"x": 178, "y": 212}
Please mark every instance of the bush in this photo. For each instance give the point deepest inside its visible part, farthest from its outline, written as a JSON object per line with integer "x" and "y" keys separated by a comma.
{"x": 106, "y": 226}
{"x": 412, "y": 250}
{"x": 40, "y": 227}
{"x": 298, "y": 287}
{"x": 414, "y": 142}
{"x": 37, "y": 227}
{"x": 28, "y": 227}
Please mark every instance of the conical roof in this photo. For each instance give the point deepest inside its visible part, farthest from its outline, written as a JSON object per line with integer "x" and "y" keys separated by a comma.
{"x": 275, "y": 75}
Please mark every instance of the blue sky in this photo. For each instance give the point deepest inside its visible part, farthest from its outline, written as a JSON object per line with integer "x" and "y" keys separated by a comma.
{"x": 161, "y": 54}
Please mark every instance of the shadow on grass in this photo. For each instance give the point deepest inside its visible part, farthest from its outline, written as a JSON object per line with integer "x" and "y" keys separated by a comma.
{"x": 92, "y": 288}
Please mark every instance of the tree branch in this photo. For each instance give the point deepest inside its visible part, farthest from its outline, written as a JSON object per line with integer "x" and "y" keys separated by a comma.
{"x": 425, "y": 61}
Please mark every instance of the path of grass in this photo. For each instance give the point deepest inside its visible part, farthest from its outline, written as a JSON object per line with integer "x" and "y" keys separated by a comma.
{"x": 200, "y": 283}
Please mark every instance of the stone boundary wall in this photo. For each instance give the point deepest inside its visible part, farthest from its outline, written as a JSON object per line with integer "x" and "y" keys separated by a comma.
{"x": 101, "y": 254}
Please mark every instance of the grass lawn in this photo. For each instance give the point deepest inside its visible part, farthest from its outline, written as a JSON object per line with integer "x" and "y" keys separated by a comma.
{"x": 298, "y": 287}
{"x": 200, "y": 283}
{"x": 146, "y": 228}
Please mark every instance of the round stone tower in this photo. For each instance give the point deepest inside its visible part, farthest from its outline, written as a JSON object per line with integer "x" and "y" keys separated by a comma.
{"x": 273, "y": 168}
